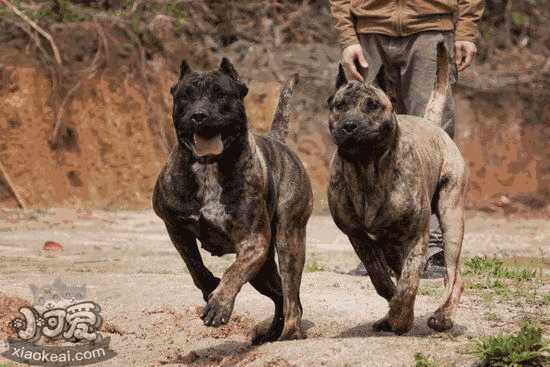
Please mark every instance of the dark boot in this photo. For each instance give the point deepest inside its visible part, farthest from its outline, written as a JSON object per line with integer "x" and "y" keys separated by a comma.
{"x": 435, "y": 264}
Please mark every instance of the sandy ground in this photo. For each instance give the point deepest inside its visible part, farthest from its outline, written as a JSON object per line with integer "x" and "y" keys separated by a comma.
{"x": 147, "y": 296}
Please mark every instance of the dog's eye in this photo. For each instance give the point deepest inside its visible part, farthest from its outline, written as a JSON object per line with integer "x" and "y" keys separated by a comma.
{"x": 372, "y": 104}
{"x": 339, "y": 105}
{"x": 225, "y": 107}
{"x": 188, "y": 94}
{"x": 217, "y": 92}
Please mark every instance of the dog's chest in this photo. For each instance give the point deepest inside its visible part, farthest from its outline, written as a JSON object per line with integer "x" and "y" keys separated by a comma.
{"x": 213, "y": 227}
{"x": 386, "y": 205}
{"x": 209, "y": 192}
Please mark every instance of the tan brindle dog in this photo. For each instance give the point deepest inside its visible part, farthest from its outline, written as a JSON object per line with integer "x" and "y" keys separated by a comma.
{"x": 388, "y": 175}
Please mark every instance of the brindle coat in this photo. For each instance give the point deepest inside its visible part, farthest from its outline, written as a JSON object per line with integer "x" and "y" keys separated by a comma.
{"x": 388, "y": 174}
{"x": 253, "y": 199}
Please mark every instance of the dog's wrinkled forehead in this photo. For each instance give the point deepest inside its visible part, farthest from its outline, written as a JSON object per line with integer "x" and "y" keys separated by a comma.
{"x": 354, "y": 91}
{"x": 224, "y": 82}
{"x": 198, "y": 84}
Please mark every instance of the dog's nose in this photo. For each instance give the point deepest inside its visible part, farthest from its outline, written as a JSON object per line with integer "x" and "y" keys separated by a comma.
{"x": 199, "y": 117}
{"x": 349, "y": 127}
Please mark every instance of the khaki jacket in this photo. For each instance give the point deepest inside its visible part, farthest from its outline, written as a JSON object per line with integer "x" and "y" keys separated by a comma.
{"x": 405, "y": 17}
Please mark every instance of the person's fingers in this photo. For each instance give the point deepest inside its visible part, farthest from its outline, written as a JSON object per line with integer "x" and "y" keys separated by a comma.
{"x": 459, "y": 55}
{"x": 468, "y": 56}
{"x": 350, "y": 55}
{"x": 351, "y": 71}
{"x": 470, "y": 53}
{"x": 362, "y": 60}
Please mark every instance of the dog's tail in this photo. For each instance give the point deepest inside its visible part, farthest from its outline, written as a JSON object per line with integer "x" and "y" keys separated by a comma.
{"x": 280, "y": 124}
{"x": 436, "y": 104}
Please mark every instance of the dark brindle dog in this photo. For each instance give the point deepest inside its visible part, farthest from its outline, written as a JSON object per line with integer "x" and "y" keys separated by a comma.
{"x": 235, "y": 192}
{"x": 389, "y": 173}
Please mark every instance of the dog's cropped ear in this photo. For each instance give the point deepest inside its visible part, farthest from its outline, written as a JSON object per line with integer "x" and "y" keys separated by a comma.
{"x": 227, "y": 67}
{"x": 184, "y": 69}
{"x": 341, "y": 78}
{"x": 244, "y": 90}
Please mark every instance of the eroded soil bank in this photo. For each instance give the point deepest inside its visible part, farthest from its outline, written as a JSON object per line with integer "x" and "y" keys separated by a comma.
{"x": 111, "y": 99}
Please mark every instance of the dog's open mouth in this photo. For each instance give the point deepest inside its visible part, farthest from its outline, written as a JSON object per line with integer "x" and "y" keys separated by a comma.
{"x": 207, "y": 146}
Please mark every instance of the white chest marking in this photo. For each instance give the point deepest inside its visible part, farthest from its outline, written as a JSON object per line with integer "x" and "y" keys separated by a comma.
{"x": 209, "y": 193}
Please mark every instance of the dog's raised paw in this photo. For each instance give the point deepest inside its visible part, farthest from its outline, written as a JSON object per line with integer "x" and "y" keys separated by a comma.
{"x": 439, "y": 322}
{"x": 216, "y": 313}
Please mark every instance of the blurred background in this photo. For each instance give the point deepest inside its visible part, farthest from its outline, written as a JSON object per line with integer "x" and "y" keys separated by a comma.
{"x": 85, "y": 108}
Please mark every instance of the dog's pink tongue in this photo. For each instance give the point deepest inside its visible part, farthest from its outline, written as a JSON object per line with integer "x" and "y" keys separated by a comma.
{"x": 204, "y": 146}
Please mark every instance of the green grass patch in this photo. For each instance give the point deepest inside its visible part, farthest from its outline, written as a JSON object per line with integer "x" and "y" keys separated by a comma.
{"x": 426, "y": 291}
{"x": 64, "y": 12}
{"x": 313, "y": 266}
{"x": 508, "y": 282}
{"x": 526, "y": 348}
{"x": 492, "y": 316}
{"x": 135, "y": 23}
{"x": 421, "y": 360}
{"x": 176, "y": 10}
{"x": 482, "y": 266}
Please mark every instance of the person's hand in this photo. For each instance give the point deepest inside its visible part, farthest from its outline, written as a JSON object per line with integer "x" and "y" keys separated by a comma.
{"x": 349, "y": 55}
{"x": 464, "y": 54}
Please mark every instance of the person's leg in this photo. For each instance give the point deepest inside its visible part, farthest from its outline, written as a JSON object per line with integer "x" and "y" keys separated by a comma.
{"x": 418, "y": 79}
{"x": 374, "y": 54}
{"x": 418, "y": 74}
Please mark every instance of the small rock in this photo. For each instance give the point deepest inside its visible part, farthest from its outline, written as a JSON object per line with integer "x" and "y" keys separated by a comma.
{"x": 52, "y": 246}
{"x": 503, "y": 201}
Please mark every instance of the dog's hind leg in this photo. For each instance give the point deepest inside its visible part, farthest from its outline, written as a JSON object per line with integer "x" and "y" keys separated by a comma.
{"x": 401, "y": 314}
{"x": 291, "y": 251}
{"x": 186, "y": 244}
{"x": 450, "y": 211}
{"x": 373, "y": 258}
{"x": 268, "y": 283}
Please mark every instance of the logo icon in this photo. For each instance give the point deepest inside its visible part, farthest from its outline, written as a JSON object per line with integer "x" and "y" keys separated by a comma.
{"x": 60, "y": 315}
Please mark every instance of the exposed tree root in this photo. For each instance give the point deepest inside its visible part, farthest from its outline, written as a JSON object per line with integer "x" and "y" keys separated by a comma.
{"x": 6, "y": 178}
{"x": 37, "y": 28}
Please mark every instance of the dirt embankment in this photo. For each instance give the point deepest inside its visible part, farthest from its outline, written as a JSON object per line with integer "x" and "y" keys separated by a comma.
{"x": 111, "y": 102}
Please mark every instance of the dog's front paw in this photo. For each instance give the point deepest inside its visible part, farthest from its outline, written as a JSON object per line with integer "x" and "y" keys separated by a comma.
{"x": 382, "y": 325}
{"x": 271, "y": 334}
{"x": 267, "y": 336}
{"x": 439, "y": 322}
{"x": 217, "y": 311}
{"x": 293, "y": 332}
